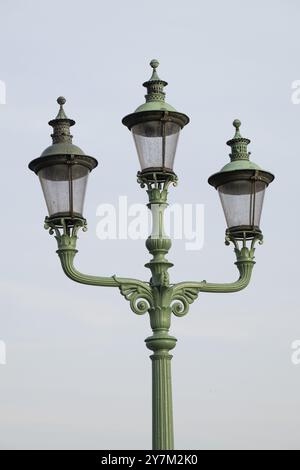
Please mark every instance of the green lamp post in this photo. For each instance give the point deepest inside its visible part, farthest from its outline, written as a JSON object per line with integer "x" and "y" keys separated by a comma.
{"x": 63, "y": 170}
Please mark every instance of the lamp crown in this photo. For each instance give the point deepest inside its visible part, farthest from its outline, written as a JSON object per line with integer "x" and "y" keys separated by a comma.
{"x": 61, "y": 124}
{"x": 155, "y": 86}
{"x": 238, "y": 144}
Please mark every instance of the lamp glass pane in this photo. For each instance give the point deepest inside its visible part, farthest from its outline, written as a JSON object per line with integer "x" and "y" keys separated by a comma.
{"x": 64, "y": 188}
{"x": 156, "y": 143}
{"x": 242, "y": 202}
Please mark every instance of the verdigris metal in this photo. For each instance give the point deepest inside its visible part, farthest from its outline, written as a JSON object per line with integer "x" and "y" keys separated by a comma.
{"x": 158, "y": 297}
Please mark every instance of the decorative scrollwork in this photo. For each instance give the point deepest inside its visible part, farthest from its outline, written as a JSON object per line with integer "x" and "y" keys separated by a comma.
{"x": 182, "y": 299}
{"x": 139, "y": 295}
{"x": 157, "y": 179}
{"x": 243, "y": 251}
{"x": 67, "y": 226}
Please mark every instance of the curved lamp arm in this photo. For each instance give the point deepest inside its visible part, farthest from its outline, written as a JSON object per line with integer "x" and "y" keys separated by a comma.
{"x": 245, "y": 268}
{"x": 66, "y": 238}
{"x": 67, "y": 256}
{"x": 185, "y": 293}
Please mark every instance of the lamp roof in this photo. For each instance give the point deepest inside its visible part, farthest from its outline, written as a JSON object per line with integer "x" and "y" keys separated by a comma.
{"x": 155, "y": 107}
{"x": 62, "y": 146}
{"x": 155, "y": 97}
{"x": 239, "y": 161}
{"x": 61, "y": 137}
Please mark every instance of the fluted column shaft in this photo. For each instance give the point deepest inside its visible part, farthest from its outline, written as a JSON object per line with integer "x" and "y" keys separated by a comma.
{"x": 162, "y": 409}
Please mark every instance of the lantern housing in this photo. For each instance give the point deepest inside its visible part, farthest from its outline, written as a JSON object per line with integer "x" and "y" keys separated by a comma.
{"x": 63, "y": 170}
{"x": 155, "y": 127}
{"x": 241, "y": 185}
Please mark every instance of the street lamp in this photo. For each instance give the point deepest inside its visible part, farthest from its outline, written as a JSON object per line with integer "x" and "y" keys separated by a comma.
{"x": 241, "y": 185}
{"x": 155, "y": 126}
{"x": 63, "y": 169}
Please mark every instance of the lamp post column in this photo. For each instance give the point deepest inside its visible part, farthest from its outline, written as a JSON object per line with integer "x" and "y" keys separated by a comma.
{"x": 158, "y": 244}
{"x": 162, "y": 406}
{"x": 63, "y": 169}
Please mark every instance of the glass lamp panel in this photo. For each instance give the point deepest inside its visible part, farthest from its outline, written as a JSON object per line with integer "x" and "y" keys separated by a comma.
{"x": 64, "y": 188}
{"x": 80, "y": 175}
{"x": 242, "y": 202}
{"x": 156, "y": 143}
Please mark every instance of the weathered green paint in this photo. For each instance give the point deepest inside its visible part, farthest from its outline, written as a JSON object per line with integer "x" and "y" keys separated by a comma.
{"x": 155, "y": 108}
{"x": 158, "y": 297}
{"x": 162, "y": 408}
{"x": 240, "y": 165}
{"x": 155, "y": 98}
{"x": 62, "y": 148}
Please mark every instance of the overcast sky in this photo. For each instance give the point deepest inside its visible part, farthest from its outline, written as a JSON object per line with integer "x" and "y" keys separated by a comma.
{"x": 78, "y": 374}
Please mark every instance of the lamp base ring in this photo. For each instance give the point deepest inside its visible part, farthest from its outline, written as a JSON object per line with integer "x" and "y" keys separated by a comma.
{"x": 244, "y": 232}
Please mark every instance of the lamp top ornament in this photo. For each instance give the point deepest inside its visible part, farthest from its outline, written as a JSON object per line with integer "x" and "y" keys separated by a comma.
{"x": 155, "y": 104}
{"x": 62, "y": 146}
{"x": 239, "y": 156}
{"x": 155, "y": 97}
{"x": 61, "y": 137}
{"x": 240, "y": 163}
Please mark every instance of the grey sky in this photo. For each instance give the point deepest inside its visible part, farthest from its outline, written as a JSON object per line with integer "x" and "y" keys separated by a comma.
{"x": 78, "y": 373}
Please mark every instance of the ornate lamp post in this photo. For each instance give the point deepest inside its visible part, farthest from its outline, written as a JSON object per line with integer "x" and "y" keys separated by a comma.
{"x": 63, "y": 170}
